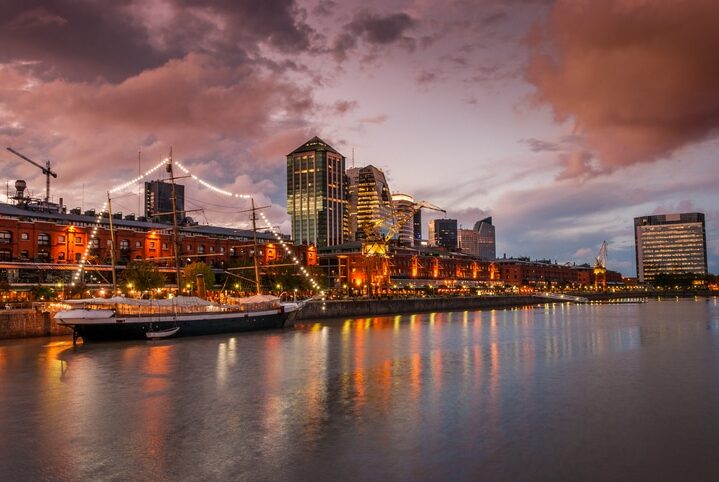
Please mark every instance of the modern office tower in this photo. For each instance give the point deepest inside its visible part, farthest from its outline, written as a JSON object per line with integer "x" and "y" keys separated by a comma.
{"x": 670, "y": 244}
{"x": 417, "y": 226}
{"x": 369, "y": 199}
{"x": 404, "y": 206}
{"x": 443, "y": 232}
{"x": 316, "y": 194}
{"x": 487, "y": 240}
{"x": 158, "y": 200}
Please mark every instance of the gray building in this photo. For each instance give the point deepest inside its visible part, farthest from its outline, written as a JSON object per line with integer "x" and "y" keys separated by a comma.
{"x": 670, "y": 244}
{"x": 443, "y": 232}
{"x": 158, "y": 201}
{"x": 316, "y": 194}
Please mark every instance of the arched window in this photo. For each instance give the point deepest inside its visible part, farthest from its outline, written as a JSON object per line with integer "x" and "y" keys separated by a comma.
{"x": 201, "y": 249}
{"x": 5, "y": 237}
{"x": 43, "y": 239}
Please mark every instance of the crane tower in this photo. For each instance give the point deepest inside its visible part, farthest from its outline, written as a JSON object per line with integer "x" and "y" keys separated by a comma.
{"x": 600, "y": 267}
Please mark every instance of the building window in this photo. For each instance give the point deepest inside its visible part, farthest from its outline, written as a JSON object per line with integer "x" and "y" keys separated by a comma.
{"x": 94, "y": 243}
{"x": 5, "y": 254}
{"x": 189, "y": 247}
{"x": 201, "y": 249}
{"x": 61, "y": 239}
{"x": 77, "y": 257}
{"x": 222, "y": 249}
{"x": 5, "y": 237}
{"x": 78, "y": 239}
{"x": 109, "y": 242}
{"x": 152, "y": 245}
{"x": 24, "y": 254}
{"x": 124, "y": 244}
{"x": 164, "y": 245}
{"x": 43, "y": 255}
{"x": 212, "y": 249}
{"x": 138, "y": 258}
{"x": 43, "y": 239}
{"x": 24, "y": 236}
{"x": 61, "y": 256}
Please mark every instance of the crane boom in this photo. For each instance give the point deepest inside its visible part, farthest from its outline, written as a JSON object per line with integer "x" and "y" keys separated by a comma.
{"x": 45, "y": 170}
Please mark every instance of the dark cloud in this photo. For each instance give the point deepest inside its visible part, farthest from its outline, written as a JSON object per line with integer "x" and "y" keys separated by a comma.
{"x": 115, "y": 40}
{"x": 638, "y": 79}
{"x": 344, "y": 106}
{"x": 426, "y": 77}
{"x": 375, "y": 30}
{"x": 538, "y": 145}
{"x": 324, "y": 8}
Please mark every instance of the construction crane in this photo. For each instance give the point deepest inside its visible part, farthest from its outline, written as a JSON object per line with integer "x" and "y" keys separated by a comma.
{"x": 375, "y": 245}
{"x": 45, "y": 170}
{"x": 600, "y": 267}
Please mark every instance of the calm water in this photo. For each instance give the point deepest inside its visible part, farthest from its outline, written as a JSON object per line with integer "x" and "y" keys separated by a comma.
{"x": 586, "y": 392}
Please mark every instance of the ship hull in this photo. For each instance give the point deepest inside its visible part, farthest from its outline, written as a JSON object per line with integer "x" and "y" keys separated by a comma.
{"x": 137, "y": 328}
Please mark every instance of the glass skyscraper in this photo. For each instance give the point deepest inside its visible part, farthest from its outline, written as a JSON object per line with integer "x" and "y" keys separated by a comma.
{"x": 316, "y": 194}
{"x": 670, "y": 244}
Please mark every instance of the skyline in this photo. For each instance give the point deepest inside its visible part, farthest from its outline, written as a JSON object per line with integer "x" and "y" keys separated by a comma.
{"x": 563, "y": 121}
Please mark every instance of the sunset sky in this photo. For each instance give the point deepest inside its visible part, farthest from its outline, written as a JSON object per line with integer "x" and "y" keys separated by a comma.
{"x": 562, "y": 120}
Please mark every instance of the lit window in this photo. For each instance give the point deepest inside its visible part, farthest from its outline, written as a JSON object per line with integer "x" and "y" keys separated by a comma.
{"x": 24, "y": 236}
{"x": 61, "y": 239}
{"x": 138, "y": 244}
{"x": 5, "y": 237}
{"x": 78, "y": 239}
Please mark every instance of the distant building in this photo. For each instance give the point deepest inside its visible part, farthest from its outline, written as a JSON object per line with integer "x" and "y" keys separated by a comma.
{"x": 670, "y": 244}
{"x": 316, "y": 194}
{"x": 403, "y": 206}
{"x": 443, "y": 232}
{"x": 158, "y": 201}
{"x": 487, "y": 239}
{"x": 369, "y": 199}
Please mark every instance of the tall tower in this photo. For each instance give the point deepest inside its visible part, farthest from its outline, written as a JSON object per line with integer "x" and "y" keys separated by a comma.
{"x": 404, "y": 205}
{"x": 670, "y": 244}
{"x": 369, "y": 198}
{"x": 316, "y": 194}
{"x": 486, "y": 238}
{"x": 158, "y": 199}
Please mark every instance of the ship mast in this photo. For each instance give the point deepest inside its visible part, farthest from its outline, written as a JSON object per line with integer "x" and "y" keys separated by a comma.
{"x": 175, "y": 234}
{"x": 254, "y": 250}
{"x": 112, "y": 246}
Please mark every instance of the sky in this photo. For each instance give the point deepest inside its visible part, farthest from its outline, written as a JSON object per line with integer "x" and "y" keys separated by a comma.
{"x": 563, "y": 120}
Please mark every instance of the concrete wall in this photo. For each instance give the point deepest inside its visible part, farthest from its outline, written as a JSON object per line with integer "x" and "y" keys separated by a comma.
{"x": 353, "y": 308}
{"x": 28, "y": 323}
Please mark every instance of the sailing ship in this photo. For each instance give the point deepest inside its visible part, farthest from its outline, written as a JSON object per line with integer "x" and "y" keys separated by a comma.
{"x": 120, "y": 318}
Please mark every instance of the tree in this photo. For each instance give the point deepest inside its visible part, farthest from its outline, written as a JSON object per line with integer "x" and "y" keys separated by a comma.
{"x": 189, "y": 275}
{"x": 143, "y": 276}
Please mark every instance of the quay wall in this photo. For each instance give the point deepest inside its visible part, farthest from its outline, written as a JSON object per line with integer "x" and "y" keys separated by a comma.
{"x": 355, "y": 308}
{"x": 26, "y": 323}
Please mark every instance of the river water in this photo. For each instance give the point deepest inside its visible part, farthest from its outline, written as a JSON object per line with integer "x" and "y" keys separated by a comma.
{"x": 553, "y": 392}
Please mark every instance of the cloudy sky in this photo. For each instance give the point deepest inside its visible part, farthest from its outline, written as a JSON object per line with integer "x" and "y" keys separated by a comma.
{"x": 563, "y": 120}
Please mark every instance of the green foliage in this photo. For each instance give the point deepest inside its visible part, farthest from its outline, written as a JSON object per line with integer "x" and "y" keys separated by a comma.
{"x": 43, "y": 293}
{"x": 189, "y": 275}
{"x": 143, "y": 276}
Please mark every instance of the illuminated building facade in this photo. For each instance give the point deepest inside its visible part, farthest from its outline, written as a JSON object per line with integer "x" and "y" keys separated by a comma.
{"x": 369, "y": 198}
{"x": 670, "y": 244}
{"x": 404, "y": 205}
{"x": 316, "y": 194}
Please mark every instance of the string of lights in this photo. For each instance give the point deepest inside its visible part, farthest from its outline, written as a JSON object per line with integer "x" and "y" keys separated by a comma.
{"x": 93, "y": 235}
{"x": 272, "y": 229}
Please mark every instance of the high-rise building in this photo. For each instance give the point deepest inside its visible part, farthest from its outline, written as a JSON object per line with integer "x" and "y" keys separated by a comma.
{"x": 404, "y": 206}
{"x": 369, "y": 199}
{"x": 670, "y": 244}
{"x": 158, "y": 201}
{"x": 417, "y": 226}
{"x": 443, "y": 232}
{"x": 316, "y": 194}
{"x": 487, "y": 240}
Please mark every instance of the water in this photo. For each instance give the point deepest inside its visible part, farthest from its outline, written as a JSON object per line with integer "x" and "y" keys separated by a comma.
{"x": 583, "y": 392}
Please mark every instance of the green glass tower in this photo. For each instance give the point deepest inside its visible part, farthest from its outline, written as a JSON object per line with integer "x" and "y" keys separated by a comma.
{"x": 316, "y": 194}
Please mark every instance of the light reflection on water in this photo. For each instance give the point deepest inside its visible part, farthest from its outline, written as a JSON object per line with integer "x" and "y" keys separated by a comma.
{"x": 557, "y": 391}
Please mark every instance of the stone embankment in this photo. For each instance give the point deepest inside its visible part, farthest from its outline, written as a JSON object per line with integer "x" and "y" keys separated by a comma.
{"x": 376, "y": 307}
{"x": 31, "y": 322}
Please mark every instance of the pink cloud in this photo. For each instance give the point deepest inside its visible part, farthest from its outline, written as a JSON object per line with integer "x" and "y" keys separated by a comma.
{"x": 637, "y": 78}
